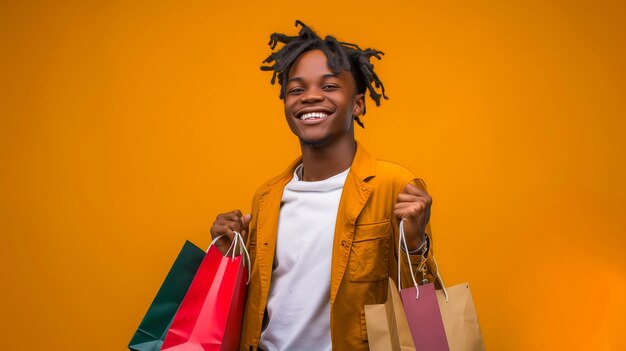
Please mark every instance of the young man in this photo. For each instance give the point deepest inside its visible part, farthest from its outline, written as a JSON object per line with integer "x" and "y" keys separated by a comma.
{"x": 323, "y": 235}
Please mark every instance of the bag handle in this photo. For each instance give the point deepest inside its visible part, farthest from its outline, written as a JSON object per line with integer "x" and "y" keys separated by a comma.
{"x": 402, "y": 240}
{"x": 236, "y": 242}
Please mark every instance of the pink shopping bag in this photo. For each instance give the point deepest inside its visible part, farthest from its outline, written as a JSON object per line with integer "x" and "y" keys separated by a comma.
{"x": 422, "y": 310}
{"x": 424, "y": 318}
{"x": 210, "y": 316}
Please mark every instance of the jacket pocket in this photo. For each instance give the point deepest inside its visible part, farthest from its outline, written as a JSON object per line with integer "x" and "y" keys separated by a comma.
{"x": 369, "y": 255}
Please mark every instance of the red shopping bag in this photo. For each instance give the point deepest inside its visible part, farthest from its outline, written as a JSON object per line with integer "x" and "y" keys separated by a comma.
{"x": 422, "y": 310}
{"x": 210, "y": 316}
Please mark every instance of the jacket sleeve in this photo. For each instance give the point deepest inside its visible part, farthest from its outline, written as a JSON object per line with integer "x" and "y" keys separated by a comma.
{"x": 415, "y": 259}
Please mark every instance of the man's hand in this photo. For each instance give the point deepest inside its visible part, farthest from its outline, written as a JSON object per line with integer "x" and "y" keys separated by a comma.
{"x": 413, "y": 206}
{"x": 227, "y": 224}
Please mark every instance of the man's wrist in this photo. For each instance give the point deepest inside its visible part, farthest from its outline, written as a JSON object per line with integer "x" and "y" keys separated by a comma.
{"x": 421, "y": 248}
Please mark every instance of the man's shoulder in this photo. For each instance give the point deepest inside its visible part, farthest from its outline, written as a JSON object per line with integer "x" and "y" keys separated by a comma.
{"x": 392, "y": 172}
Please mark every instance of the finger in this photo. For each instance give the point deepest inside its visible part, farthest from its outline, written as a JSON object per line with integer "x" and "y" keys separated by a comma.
{"x": 404, "y": 214}
{"x": 222, "y": 229}
{"x": 241, "y": 226}
{"x": 410, "y": 223}
{"x": 422, "y": 215}
{"x": 246, "y": 222}
{"x": 412, "y": 189}
{"x": 217, "y": 228}
{"x": 226, "y": 229}
{"x": 235, "y": 226}
{"x": 236, "y": 218}
{"x": 399, "y": 214}
{"x": 405, "y": 197}
{"x": 414, "y": 211}
{"x": 417, "y": 207}
{"x": 233, "y": 216}
{"x": 402, "y": 197}
{"x": 420, "y": 205}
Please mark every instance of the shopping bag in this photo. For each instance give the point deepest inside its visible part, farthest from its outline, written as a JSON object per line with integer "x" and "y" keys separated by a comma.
{"x": 210, "y": 316}
{"x": 424, "y": 318}
{"x": 152, "y": 329}
{"x": 422, "y": 309}
{"x": 459, "y": 318}
{"x": 387, "y": 328}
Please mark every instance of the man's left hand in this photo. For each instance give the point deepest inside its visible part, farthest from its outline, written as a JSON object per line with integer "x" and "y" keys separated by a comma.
{"x": 413, "y": 206}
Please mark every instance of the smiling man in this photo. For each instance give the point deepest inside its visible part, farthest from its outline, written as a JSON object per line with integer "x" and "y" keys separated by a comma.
{"x": 323, "y": 234}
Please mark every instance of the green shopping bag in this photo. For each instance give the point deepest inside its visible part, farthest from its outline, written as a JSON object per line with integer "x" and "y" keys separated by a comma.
{"x": 153, "y": 328}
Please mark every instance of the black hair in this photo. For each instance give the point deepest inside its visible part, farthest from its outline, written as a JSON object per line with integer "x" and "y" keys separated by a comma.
{"x": 340, "y": 56}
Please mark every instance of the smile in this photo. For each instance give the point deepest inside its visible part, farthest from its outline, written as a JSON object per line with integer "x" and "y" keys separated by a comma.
{"x": 313, "y": 115}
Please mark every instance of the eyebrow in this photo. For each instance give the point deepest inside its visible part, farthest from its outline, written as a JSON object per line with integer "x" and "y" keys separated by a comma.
{"x": 327, "y": 75}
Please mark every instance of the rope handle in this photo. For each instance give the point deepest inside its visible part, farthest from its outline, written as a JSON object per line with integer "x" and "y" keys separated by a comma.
{"x": 402, "y": 240}
{"x": 236, "y": 242}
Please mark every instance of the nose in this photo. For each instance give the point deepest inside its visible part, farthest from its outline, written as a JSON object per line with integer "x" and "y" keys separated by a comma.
{"x": 311, "y": 95}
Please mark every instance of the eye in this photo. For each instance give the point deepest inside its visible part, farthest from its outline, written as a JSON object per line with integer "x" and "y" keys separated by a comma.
{"x": 330, "y": 86}
{"x": 296, "y": 91}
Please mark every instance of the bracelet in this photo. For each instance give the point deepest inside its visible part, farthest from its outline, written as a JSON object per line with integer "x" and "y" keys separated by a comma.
{"x": 421, "y": 249}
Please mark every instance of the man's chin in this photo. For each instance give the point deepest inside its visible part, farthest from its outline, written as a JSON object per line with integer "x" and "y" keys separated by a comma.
{"x": 315, "y": 143}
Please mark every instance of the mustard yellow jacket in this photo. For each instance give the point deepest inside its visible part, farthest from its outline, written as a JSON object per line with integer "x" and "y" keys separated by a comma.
{"x": 364, "y": 252}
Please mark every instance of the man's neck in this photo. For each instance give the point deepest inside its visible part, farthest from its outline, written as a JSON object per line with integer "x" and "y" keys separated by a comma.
{"x": 321, "y": 163}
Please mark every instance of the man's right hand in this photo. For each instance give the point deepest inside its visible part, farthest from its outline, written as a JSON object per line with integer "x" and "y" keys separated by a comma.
{"x": 227, "y": 224}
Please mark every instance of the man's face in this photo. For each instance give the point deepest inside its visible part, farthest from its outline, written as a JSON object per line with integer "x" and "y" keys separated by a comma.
{"x": 319, "y": 104}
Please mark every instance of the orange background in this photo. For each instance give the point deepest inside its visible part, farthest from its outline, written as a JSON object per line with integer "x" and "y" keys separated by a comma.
{"x": 126, "y": 127}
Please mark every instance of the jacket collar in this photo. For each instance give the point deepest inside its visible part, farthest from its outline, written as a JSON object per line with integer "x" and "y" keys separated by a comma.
{"x": 363, "y": 166}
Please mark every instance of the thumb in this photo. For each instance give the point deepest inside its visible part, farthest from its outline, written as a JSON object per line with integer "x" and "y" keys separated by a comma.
{"x": 246, "y": 221}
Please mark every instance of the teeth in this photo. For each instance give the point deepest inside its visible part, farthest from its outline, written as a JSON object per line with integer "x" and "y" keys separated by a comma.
{"x": 310, "y": 115}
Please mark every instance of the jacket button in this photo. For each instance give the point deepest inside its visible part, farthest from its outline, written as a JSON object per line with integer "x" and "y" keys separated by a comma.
{"x": 343, "y": 243}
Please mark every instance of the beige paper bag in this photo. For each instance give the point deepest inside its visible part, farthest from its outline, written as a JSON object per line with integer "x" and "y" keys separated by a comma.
{"x": 387, "y": 327}
{"x": 459, "y": 319}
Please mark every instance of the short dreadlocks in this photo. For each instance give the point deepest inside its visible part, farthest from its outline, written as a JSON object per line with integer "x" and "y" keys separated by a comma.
{"x": 340, "y": 56}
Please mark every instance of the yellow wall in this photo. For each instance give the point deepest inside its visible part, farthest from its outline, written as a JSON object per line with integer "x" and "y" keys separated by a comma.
{"x": 126, "y": 127}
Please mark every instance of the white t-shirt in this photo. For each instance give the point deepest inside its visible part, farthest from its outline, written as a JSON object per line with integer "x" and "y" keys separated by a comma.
{"x": 298, "y": 305}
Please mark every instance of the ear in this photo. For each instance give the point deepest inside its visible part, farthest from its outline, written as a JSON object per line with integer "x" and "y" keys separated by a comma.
{"x": 358, "y": 104}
